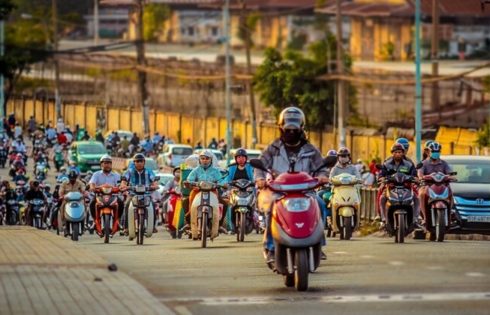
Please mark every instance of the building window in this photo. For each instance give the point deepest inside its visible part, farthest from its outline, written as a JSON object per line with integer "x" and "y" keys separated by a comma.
{"x": 190, "y": 31}
{"x": 214, "y": 31}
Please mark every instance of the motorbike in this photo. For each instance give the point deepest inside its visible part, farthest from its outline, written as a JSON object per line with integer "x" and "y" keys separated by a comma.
{"x": 12, "y": 211}
{"x": 399, "y": 205}
{"x": 106, "y": 211}
{"x": 325, "y": 192}
{"x": 41, "y": 171}
{"x": 345, "y": 203}
{"x": 3, "y": 156}
{"x": 296, "y": 224}
{"x": 36, "y": 212}
{"x": 59, "y": 160}
{"x": 208, "y": 209}
{"x": 74, "y": 214}
{"x": 140, "y": 213}
{"x": 172, "y": 201}
{"x": 438, "y": 208}
{"x": 242, "y": 201}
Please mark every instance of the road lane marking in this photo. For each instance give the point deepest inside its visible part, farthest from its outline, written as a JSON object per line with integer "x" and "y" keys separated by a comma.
{"x": 367, "y": 256}
{"x": 474, "y": 274}
{"x": 435, "y": 267}
{"x": 339, "y": 253}
{"x": 396, "y": 263}
{"x": 387, "y": 298}
{"x": 182, "y": 310}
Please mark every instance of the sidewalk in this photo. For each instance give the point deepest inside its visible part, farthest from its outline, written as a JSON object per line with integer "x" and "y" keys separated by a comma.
{"x": 42, "y": 273}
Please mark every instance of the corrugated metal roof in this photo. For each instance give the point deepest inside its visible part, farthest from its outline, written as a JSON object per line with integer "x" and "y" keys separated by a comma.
{"x": 447, "y": 8}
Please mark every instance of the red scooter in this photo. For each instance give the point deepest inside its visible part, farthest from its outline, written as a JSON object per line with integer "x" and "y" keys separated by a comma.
{"x": 438, "y": 207}
{"x": 296, "y": 224}
{"x": 106, "y": 211}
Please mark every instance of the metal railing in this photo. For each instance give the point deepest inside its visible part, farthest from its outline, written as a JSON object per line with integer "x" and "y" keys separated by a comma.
{"x": 368, "y": 203}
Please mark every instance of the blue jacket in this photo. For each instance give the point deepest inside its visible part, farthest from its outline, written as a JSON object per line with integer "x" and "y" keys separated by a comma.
{"x": 232, "y": 170}
{"x": 145, "y": 178}
{"x": 210, "y": 174}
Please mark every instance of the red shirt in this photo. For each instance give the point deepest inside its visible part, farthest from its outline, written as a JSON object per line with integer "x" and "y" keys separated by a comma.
{"x": 62, "y": 138}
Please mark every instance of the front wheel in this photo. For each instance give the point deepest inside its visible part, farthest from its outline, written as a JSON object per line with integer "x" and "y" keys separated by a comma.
{"x": 107, "y": 227}
{"x": 241, "y": 231}
{"x": 204, "y": 229}
{"x": 400, "y": 231}
{"x": 75, "y": 231}
{"x": 301, "y": 271}
{"x": 346, "y": 230}
{"x": 440, "y": 225}
{"x": 141, "y": 229}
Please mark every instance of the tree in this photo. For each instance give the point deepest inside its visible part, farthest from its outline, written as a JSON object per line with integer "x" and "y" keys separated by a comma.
{"x": 154, "y": 17}
{"x": 483, "y": 139}
{"x": 292, "y": 79}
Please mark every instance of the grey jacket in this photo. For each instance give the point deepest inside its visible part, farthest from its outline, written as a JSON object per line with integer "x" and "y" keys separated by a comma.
{"x": 349, "y": 169}
{"x": 275, "y": 158}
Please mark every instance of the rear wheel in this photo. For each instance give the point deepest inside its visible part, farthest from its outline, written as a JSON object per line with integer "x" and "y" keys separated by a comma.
{"x": 347, "y": 228}
{"x": 75, "y": 229}
{"x": 400, "y": 231}
{"x": 141, "y": 229}
{"x": 107, "y": 227}
{"x": 440, "y": 225}
{"x": 204, "y": 229}
{"x": 301, "y": 271}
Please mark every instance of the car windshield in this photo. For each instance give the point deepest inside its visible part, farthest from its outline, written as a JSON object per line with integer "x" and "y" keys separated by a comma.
{"x": 253, "y": 155}
{"x": 91, "y": 149}
{"x": 151, "y": 164}
{"x": 181, "y": 151}
{"x": 165, "y": 179}
{"x": 472, "y": 172}
{"x": 219, "y": 155}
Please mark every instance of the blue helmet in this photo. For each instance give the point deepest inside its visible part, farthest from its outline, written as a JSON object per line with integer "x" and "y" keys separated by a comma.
{"x": 404, "y": 142}
{"x": 332, "y": 153}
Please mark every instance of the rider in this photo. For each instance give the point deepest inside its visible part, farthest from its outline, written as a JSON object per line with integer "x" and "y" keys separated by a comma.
{"x": 72, "y": 185}
{"x": 241, "y": 169}
{"x": 426, "y": 153}
{"x": 33, "y": 193}
{"x": 102, "y": 177}
{"x": 137, "y": 175}
{"x": 8, "y": 193}
{"x": 344, "y": 164}
{"x": 432, "y": 164}
{"x": 292, "y": 144}
{"x": 204, "y": 172}
{"x": 397, "y": 163}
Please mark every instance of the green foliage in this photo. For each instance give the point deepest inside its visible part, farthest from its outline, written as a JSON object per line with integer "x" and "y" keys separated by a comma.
{"x": 248, "y": 25}
{"x": 483, "y": 139}
{"x": 154, "y": 17}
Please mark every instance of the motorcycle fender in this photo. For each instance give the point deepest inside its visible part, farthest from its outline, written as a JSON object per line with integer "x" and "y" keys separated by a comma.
{"x": 346, "y": 211}
{"x": 106, "y": 211}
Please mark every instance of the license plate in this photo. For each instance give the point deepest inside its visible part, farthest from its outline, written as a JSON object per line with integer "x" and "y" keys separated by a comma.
{"x": 242, "y": 202}
{"x": 478, "y": 218}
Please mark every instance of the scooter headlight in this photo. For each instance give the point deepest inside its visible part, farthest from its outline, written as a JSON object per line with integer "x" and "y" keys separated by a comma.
{"x": 297, "y": 204}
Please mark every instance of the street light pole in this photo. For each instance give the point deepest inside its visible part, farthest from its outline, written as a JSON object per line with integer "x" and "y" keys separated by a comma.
{"x": 140, "y": 56}
{"x": 96, "y": 22}
{"x": 418, "y": 84}
{"x": 340, "y": 83}
{"x": 226, "y": 27}
{"x": 54, "y": 12}
{"x": 2, "y": 98}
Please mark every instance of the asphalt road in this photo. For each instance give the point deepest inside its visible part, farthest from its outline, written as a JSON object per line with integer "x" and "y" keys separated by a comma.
{"x": 369, "y": 275}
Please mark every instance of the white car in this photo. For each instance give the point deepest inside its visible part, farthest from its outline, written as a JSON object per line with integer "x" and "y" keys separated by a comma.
{"x": 174, "y": 154}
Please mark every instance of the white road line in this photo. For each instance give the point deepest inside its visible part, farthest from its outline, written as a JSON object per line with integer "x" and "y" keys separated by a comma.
{"x": 396, "y": 263}
{"x": 182, "y": 310}
{"x": 339, "y": 253}
{"x": 474, "y": 274}
{"x": 421, "y": 297}
{"x": 367, "y": 256}
{"x": 434, "y": 267}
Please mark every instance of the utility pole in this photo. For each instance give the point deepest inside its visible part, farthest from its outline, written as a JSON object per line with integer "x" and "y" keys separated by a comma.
{"x": 418, "y": 85}
{"x": 435, "y": 55}
{"x": 96, "y": 22}
{"x": 248, "y": 47}
{"x": 2, "y": 97}
{"x": 140, "y": 56}
{"x": 57, "y": 100}
{"x": 340, "y": 83}
{"x": 226, "y": 27}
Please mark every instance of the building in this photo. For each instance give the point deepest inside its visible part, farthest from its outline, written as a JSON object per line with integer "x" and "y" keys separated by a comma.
{"x": 113, "y": 22}
{"x": 383, "y": 29}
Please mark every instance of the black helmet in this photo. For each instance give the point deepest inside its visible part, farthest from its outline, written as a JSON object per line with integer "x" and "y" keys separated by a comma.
{"x": 139, "y": 157}
{"x": 343, "y": 151}
{"x": 241, "y": 152}
{"x": 397, "y": 147}
{"x": 291, "y": 117}
{"x": 72, "y": 174}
